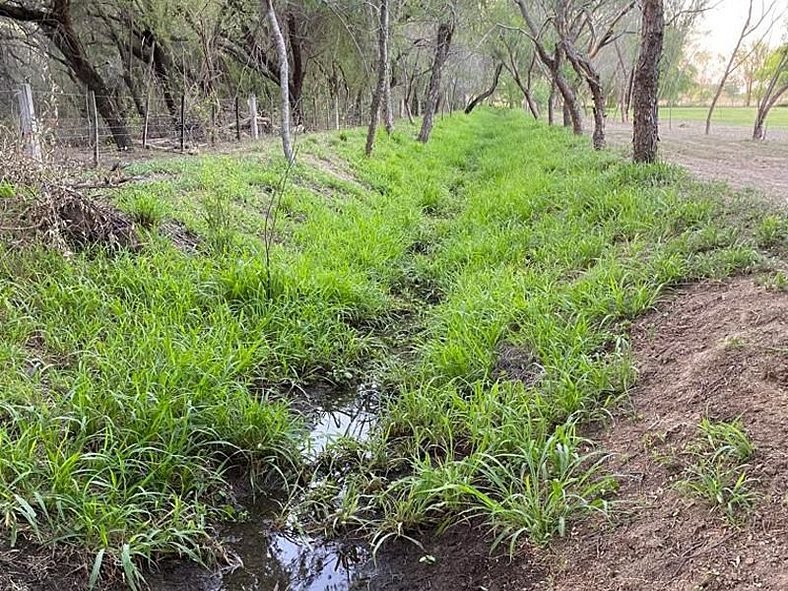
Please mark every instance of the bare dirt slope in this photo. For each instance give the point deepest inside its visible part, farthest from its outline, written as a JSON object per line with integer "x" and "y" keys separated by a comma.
{"x": 727, "y": 154}
{"x": 718, "y": 350}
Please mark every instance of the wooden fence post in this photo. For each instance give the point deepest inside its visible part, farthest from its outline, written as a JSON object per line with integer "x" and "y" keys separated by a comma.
{"x": 237, "y": 120}
{"x": 93, "y": 116}
{"x": 183, "y": 123}
{"x": 253, "y": 116}
{"x": 29, "y": 123}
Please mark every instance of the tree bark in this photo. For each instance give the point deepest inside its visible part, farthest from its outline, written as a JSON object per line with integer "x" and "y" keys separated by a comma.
{"x": 298, "y": 74}
{"x": 384, "y": 76}
{"x": 646, "y": 83}
{"x": 284, "y": 81}
{"x": 443, "y": 42}
{"x": 551, "y": 103}
{"x": 385, "y": 33}
{"x": 487, "y": 93}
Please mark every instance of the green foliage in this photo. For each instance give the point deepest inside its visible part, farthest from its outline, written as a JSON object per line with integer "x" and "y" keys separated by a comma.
{"x": 7, "y": 190}
{"x": 719, "y": 472}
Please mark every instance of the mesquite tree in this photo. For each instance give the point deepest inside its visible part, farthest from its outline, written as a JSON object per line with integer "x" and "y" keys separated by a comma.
{"x": 776, "y": 87}
{"x": 381, "y": 94}
{"x": 442, "y": 44}
{"x": 646, "y": 82}
{"x": 57, "y": 25}
{"x": 553, "y": 63}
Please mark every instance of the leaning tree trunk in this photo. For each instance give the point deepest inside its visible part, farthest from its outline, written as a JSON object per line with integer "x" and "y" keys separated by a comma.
{"x": 771, "y": 96}
{"x": 766, "y": 104}
{"x": 445, "y": 31}
{"x": 645, "y": 90}
{"x": 487, "y": 93}
{"x": 284, "y": 81}
{"x": 383, "y": 73}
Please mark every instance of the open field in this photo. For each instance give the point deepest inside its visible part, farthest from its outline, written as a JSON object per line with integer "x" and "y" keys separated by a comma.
{"x": 727, "y": 116}
{"x": 476, "y": 294}
{"x": 727, "y": 154}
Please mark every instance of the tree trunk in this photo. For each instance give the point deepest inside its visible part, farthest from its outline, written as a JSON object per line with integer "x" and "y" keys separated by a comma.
{"x": 445, "y": 31}
{"x": 284, "y": 81}
{"x": 646, "y": 83}
{"x": 383, "y": 75}
{"x": 487, "y": 93}
{"x": 551, "y": 103}
{"x": 771, "y": 95}
{"x": 297, "y": 75}
{"x": 766, "y": 104}
{"x": 388, "y": 113}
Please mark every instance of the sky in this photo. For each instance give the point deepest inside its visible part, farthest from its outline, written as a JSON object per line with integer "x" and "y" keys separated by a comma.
{"x": 719, "y": 28}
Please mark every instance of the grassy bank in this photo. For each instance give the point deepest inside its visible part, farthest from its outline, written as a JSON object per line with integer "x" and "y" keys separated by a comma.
{"x": 485, "y": 279}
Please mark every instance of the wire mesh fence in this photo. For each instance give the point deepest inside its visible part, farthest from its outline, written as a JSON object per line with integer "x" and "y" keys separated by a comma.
{"x": 69, "y": 126}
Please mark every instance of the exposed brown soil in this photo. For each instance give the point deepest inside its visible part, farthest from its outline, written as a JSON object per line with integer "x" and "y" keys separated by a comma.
{"x": 462, "y": 561}
{"x": 727, "y": 154}
{"x": 719, "y": 350}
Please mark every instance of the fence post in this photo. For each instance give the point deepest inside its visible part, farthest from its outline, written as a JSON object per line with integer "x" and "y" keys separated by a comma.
{"x": 93, "y": 116}
{"x": 183, "y": 122}
{"x": 253, "y": 116}
{"x": 237, "y": 120}
{"x": 29, "y": 123}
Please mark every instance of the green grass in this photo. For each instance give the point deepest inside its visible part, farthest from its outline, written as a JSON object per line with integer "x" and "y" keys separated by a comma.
{"x": 734, "y": 116}
{"x": 718, "y": 470}
{"x": 136, "y": 388}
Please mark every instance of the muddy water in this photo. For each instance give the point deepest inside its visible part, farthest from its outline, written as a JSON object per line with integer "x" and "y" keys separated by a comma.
{"x": 264, "y": 560}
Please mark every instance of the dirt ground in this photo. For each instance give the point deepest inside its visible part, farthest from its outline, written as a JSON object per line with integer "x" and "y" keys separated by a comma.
{"x": 727, "y": 154}
{"x": 718, "y": 350}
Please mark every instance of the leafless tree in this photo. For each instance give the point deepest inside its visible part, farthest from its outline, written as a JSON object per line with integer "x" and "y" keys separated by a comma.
{"x": 553, "y": 64}
{"x": 646, "y": 82}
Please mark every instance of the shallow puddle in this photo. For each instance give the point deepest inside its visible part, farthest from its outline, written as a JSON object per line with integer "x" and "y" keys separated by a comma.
{"x": 264, "y": 560}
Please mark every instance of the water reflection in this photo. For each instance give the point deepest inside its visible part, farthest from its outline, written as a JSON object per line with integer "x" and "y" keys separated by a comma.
{"x": 268, "y": 561}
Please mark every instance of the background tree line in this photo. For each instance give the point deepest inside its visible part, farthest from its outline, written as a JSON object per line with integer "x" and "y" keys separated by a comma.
{"x": 570, "y": 62}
